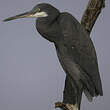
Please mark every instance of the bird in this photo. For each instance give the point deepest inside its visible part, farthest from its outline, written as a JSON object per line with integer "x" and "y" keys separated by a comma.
{"x": 74, "y": 48}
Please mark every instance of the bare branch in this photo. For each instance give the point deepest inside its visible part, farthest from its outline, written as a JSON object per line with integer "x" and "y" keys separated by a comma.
{"x": 65, "y": 106}
{"x": 91, "y": 13}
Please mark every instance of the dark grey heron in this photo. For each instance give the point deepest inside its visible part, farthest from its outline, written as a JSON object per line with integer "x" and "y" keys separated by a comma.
{"x": 74, "y": 48}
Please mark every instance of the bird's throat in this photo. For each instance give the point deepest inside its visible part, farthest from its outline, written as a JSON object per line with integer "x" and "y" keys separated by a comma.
{"x": 48, "y": 29}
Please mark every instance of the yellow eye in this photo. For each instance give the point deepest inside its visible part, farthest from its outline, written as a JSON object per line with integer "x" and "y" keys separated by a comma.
{"x": 38, "y": 10}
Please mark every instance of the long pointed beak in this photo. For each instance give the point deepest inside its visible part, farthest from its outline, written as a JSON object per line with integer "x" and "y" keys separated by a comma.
{"x": 23, "y": 15}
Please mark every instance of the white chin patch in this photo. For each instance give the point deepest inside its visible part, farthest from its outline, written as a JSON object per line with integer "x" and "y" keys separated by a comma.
{"x": 40, "y": 14}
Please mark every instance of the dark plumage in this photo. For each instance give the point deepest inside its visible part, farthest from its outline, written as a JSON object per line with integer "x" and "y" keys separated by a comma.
{"x": 74, "y": 48}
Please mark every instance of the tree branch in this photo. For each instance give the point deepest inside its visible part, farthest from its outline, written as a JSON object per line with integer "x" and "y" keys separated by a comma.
{"x": 91, "y": 13}
{"x": 89, "y": 18}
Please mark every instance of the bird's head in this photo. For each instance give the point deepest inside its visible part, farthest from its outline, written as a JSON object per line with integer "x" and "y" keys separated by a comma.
{"x": 42, "y": 10}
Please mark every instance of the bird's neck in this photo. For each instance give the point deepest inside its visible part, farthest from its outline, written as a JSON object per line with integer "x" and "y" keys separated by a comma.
{"x": 48, "y": 28}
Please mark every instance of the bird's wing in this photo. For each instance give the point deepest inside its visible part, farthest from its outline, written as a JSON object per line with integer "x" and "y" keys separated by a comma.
{"x": 80, "y": 48}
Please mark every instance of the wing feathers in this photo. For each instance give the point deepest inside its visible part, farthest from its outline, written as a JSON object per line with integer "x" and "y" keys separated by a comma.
{"x": 80, "y": 50}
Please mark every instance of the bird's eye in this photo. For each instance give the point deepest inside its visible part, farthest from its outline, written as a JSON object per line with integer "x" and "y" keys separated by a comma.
{"x": 34, "y": 10}
{"x": 38, "y": 10}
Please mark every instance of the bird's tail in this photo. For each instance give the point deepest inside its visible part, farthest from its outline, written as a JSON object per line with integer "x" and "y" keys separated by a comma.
{"x": 71, "y": 95}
